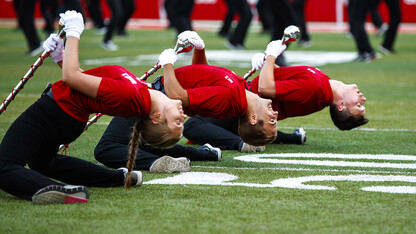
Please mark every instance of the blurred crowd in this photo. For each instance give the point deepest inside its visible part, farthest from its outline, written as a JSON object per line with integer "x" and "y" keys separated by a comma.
{"x": 274, "y": 16}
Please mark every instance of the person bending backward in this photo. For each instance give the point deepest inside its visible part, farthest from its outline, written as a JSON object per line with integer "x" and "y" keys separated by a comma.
{"x": 60, "y": 115}
{"x": 218, "y": 93}
{"x": 302, "y": 90}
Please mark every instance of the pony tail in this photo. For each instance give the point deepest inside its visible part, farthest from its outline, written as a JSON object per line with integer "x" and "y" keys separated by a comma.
{"x": 133, "y": 145}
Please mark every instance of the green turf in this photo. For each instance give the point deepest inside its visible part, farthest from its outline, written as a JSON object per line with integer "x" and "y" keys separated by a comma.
{"x": 388, "y": 83}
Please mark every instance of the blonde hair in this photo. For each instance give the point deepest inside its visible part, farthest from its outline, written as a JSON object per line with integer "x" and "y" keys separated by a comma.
{"x": 157, "y": 135}
{"x": 254, "y": 134}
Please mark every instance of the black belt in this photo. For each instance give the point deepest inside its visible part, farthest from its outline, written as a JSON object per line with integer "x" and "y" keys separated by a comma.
{"x": 48, "y": 91}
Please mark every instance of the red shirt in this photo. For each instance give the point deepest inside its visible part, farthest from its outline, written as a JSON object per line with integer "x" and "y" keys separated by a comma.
{"x": 213, "y": 91}
{"x": 300, "y": 90}
{"x": 120, "y": 93}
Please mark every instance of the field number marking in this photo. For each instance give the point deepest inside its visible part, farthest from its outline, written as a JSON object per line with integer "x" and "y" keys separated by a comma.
{"x": 224, "y": 179}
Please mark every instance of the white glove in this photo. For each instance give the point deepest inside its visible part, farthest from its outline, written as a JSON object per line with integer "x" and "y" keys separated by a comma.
{"x": 74, "y": 23}
{"x": 257, "y": 61}
{"x": 55, "y": 45}
{"x": 167, "y": 56}
{"x": 193, "y": 38}
{"x": 275, "y": 48}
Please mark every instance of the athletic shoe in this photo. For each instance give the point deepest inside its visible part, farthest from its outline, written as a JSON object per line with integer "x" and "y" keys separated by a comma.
{"x": 61, "y": 194}
{"x": 246, "y": 148}
{"x": 136, "y": 176}
{"x": 305, "y": 43}
{"x": 167, "y": 164}
{"x": 35, "y": 52}
{"x": 232, "y": 46}
{"x": 367, "y": 57}
{"x": 212, "y": 151}
{"x": 101, "y": 31}
{"x": 109, "y": 45}
{"x": 300, "y": 132}
{"x": 384, "y": 50}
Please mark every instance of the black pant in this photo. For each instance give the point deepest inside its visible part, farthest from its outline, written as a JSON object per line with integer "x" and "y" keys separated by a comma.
{"x": 265, "y": 15}
{"x": 179, "y": 13}
{"x": 357, "y": 12}
{"x": 112, "y": 149}
{"x": 94, "y": 8}
{"x": 34, "y": 139}
{"x": 395, "y": 18}
{"x": 242, "y": 8}
{"x": 25, "y": 14}
{"x": 223, "y": 133}
{"x": 226, "y": 24}
{"x": 283, "y": 16}
{"x": 299, "y": 11}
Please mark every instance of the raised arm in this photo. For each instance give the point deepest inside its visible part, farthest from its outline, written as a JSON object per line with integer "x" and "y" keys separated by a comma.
{"x": 172, "y": 87}
{"x": 71, "y": 73}
{"x": 267, "y": 86}
{"x": 192, "y": 37}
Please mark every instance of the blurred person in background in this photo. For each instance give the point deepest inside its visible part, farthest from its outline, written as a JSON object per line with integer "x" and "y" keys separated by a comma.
{"x": 179, "y": 14}
{"x": 236, "y": 39}
{"x": 395, "y": 17}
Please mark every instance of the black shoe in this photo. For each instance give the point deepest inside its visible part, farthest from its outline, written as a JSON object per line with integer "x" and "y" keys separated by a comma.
{"x": 212, "y": 151}
{"x": 136, "y": 176}
{"x": 301, "y": 134}
{"x": 61, "y": 194}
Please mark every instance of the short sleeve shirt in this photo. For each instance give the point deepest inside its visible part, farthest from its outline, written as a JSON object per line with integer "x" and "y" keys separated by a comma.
{"x": 213, "y": 91}
{"x": 300, "y": 90}
{"x": 120, "y": 93}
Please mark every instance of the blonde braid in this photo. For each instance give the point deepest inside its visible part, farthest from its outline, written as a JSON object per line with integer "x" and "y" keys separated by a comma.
{"x": 133, "y": 145}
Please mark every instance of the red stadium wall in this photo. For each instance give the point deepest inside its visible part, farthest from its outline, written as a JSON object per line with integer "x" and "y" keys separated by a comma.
{"x": 316, "y": 10}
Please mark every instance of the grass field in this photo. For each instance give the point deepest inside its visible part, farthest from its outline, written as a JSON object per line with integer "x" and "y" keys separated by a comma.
{"x": 307, "y": 191}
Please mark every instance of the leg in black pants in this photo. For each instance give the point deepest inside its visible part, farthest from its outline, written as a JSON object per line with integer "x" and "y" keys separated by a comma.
{"x": 34, "y": 139}
{"x": 283, "y": 16}
{"x": 226, "y": 24}
{"x": 299, "y": 10}
{"x": 179, "y": 12}
{"x": 219, "y": 133}
{"x": 128, "y": 9}
{"x": 242, "y": 8}
{"x": 116, "y": 14}
{"x": 112, "y": 149}
{"x": 395, "y": 18}
{"x": 224, "y": 133}
{"x": 26, "y": 22}
{"x": 357, "y": 15}
{"x": 94, "y": 8}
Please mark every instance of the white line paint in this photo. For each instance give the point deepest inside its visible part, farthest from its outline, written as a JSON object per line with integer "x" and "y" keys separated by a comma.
{"x": 225, "y": 179}
{"x": 274, "y": 158}
{"x": 298, "y": 182}
{"x": 233, "y": 58}
{"x": 306, "y": 169}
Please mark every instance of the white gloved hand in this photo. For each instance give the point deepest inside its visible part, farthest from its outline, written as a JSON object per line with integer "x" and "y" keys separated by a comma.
{"x": 275, "y": 48}
{"x": 167, "y": 56}
{"x": 55, "y": 45}
{"x": 193, "y": 38}
{"x": 257, "y": 61}
{"x": 74, "y": 23}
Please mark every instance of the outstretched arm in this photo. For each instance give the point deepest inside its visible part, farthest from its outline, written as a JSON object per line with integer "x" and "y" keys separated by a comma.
{"x": 173, "y": 89}
{"x": 267, "y": 86}
{"x": 71, "y": 73}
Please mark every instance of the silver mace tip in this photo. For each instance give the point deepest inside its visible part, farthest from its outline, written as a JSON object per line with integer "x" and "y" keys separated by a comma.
{"x": 291, "y": 33}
